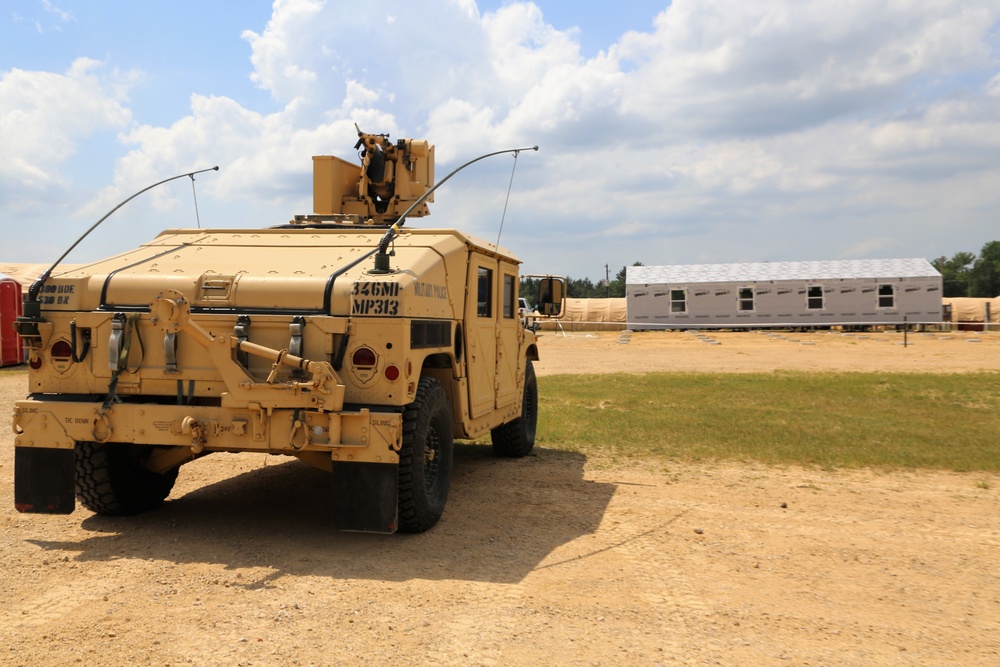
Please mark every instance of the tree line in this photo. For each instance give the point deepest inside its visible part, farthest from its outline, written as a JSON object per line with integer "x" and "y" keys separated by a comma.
{"x": 964, "y": 274}
{"x": 581, "y": 288}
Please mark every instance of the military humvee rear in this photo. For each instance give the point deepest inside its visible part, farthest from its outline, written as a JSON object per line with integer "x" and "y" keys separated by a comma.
{"x": 341, "y": 338}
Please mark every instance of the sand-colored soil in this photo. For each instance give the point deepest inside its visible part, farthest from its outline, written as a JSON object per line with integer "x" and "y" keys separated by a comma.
{"x": 762, "y": 351}
{"x": 548, "y": 560}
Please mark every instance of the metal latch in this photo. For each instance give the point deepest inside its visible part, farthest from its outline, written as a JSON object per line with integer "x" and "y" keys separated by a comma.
{"x": 116, "y": 341}
{"x": 242, "y": 333}
{"x": 170, "y": 351}
{"x": 296, "y": 328}
{"x": 78, "y": 357}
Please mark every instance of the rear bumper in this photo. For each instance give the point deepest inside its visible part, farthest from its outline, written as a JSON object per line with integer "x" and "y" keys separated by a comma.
{"x": 357, "y": 436}
{"x": 360, "y": 448}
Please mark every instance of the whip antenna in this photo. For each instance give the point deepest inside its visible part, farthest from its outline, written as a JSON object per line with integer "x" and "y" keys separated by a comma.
{"x": 195, "y": 195}
{"x": 503, "y": 216}
{"x": 36, "y": 286}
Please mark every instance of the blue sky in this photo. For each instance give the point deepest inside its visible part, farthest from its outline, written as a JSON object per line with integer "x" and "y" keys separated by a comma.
{"x": 671, "y": 133}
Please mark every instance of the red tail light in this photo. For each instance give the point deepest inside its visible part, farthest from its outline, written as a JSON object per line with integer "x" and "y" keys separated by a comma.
{"x": 61, "y": 350}
{"x": 363, "y": 357}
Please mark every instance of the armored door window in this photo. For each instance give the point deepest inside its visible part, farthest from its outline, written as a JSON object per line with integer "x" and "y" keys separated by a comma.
{"x": 509, "y": 297}
{"x": 815, "y": 298}
{"x": 485, "y": 298}
{"x": 886, "y": 296}
{"x": 746, "y": 298}
{"x": 678, "y": 301}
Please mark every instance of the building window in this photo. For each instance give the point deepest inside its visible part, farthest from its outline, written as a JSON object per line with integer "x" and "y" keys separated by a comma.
{"x": 746, "y": 298}
{"x": 814, "y": 300}
{"x": 485, "y": 298}
{"x": 678, "y": 301}
{"x": 509, "y": 297}
{"x": 886, "y": 296}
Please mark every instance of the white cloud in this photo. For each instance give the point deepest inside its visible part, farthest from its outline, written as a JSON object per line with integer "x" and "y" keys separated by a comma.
{"x": 310, "y": 49}
{"x": 717, "y": 67}
{"x": 43, "y": 116}
{"x": 60, "y": 14}
{"x": 730, "y": 131}
{"x": 277, "y": 53}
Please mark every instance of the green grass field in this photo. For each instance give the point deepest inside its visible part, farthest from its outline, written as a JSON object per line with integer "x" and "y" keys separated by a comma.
{"x": 830, "y": 420}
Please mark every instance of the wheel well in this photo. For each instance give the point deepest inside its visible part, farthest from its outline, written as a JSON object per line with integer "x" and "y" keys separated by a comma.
{"x": 441, "y": 366}
{"x": 439, "y": 360}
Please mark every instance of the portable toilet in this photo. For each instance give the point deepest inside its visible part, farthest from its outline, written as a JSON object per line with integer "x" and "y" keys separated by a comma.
{"x": 11, "y": 352}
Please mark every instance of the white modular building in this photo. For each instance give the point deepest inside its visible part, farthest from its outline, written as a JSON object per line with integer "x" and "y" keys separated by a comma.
{"x": 825, "y": 293}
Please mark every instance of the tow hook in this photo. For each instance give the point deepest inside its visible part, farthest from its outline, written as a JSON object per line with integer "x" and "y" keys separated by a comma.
{"x": 298, "y": 425}
{"x": 192, "y": 426}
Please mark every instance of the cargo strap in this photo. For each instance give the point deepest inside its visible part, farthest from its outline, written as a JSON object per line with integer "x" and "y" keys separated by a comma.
{"x": 122, "y": 327}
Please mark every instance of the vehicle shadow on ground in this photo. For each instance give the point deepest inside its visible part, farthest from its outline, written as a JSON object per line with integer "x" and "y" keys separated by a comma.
{"x": 503, "y": 518}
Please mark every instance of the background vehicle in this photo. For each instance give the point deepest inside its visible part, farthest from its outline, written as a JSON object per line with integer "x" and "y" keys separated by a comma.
{"x": 528, "y": 314}
{"x": 340, "y": 338}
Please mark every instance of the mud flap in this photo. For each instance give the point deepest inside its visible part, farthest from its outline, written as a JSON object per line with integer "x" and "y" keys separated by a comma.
{"x": 365, "y": 497}
{"x": 44, "y": 480}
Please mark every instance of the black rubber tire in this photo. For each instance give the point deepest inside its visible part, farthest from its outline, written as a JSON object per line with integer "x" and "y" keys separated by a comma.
{"x": 111, "y": 480}
{"x": 516, "y": 438}
{"x": 425, "y": 459}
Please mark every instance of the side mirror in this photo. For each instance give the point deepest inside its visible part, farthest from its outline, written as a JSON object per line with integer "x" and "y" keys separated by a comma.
{"x": 551, "y": 293}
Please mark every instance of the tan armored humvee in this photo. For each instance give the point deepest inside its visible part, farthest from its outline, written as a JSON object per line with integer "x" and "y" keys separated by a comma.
{"x": 342, "y": 338}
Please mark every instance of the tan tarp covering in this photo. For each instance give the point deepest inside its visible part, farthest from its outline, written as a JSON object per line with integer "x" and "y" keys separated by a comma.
{"x": 995, "y": 310}
{"x": 591, "y": 315}
{"x": 966, "y": 309}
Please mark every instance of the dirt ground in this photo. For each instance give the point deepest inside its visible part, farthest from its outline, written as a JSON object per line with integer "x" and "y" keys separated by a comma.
{"x": 545, "y": 560}
{"x": 765, "y": 351}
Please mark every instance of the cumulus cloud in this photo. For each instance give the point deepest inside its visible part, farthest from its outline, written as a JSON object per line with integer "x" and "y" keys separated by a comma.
{"x": 409, "y": 53}
{"x": 61, "y": 14}
{"x": 44, "y": 115}
{"x": 731, "y": 68}
{"x": 728, "y": 131}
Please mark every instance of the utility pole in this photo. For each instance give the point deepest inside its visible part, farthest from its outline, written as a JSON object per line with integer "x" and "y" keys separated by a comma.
{"x": 607, "y": 280}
